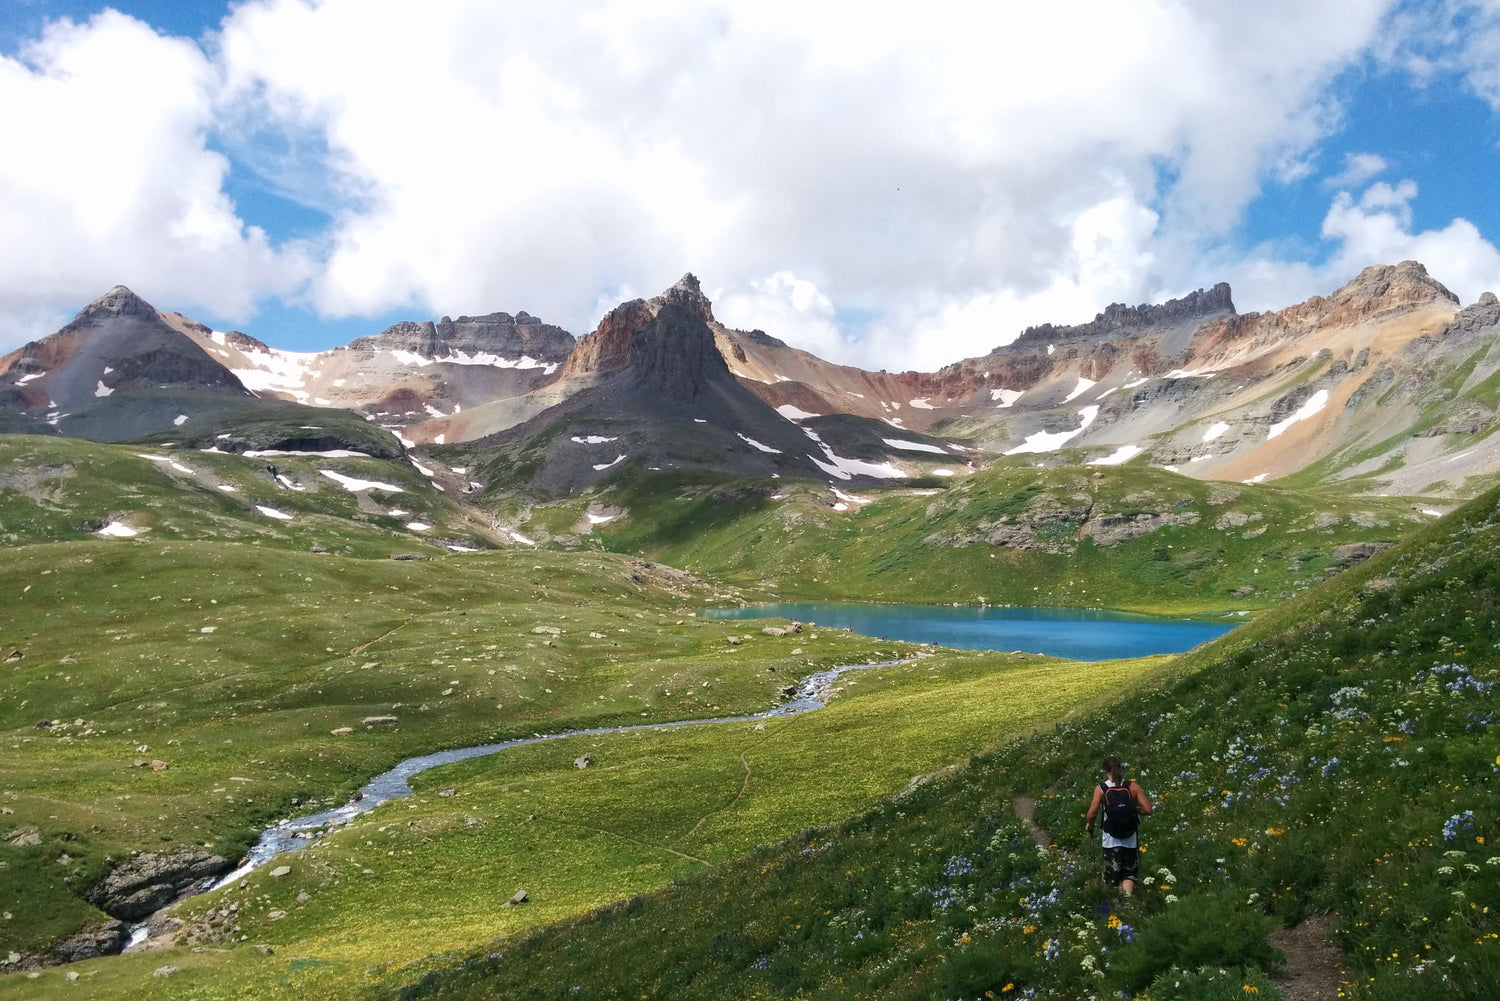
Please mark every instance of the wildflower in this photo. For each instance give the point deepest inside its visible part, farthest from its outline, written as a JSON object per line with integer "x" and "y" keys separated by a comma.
{"x": 1464, "y": 821}
{"x": 1251, "y": 989}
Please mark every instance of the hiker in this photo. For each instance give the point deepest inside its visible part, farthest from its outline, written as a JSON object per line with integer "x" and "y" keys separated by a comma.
{"x": 1123, "y": 803}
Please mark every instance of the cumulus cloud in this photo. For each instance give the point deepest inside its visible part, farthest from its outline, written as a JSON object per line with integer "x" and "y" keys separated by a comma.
{"x": 939, "y": 170}
{"x": 952, "y": 177}
{"x": 1358, "y": 168}
{"x": 1374, "y": 228}
{"x": 107, "y": 178}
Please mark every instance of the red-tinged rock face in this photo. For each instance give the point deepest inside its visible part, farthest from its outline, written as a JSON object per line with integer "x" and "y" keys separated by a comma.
{"x": 607, "y": 349}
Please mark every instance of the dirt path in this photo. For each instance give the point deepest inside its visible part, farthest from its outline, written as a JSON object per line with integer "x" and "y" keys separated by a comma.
{"x": 745, "y": 785}
{"x": 1314, "y": 968}
{"x": 356, "y": 651}
{"x": 1025, "y": 808}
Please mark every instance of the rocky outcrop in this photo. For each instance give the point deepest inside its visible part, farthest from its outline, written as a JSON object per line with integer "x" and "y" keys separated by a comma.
{"x": 103, "y": 938}
{"x": 500, "y": 334}
{"x": 149, "y": 881}
{"x": 668, "y": 340}
{"x": 1118, "y": 318}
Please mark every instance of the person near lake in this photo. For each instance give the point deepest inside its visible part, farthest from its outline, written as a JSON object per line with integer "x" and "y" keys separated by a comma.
{"x": 1123, "y": 803}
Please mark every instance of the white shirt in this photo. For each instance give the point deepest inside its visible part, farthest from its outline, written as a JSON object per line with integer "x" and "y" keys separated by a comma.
{"x": 1110, "y": 841}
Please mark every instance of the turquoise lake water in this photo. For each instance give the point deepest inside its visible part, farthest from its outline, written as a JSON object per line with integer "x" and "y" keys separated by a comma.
{"x": 1077, "y": 634}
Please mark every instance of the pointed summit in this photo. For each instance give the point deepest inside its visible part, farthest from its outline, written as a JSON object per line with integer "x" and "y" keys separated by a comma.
{"x": 613, "y": 344}
{"x": 118, "y": 301}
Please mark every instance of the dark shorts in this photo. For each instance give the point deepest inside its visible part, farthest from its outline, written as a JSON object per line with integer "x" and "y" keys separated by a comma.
{"x": 1121, "y": 864}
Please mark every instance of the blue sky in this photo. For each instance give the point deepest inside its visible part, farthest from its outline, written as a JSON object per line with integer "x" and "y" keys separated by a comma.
{"x": 885, "y": 192}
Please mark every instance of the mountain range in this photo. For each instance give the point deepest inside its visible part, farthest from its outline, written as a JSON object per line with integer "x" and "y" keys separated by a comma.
{"x": 1388, "y": 384}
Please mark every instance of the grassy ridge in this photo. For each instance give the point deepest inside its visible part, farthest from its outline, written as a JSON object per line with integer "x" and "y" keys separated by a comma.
{"x": 1337, "y": 756}
{"x": 61, "y": 490}
{"x": 1212, "y": 546}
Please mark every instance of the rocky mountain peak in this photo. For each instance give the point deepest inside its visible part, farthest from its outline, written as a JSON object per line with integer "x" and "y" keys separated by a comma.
{"x": 1119, "y": 318}
{"x": 688, "y": 294}
{"x": 118, "y": 301}
{"x": 1382, "y": 288}
{"x": 611, "y": 346}
{"x": 500, "y": 334}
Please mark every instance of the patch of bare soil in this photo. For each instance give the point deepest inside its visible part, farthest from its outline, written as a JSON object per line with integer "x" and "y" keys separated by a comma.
{"x": 1025, "y": 808}
{"x": 1314, "y": 967}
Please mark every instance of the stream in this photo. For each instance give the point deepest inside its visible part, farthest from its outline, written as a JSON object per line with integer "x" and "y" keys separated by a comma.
{"x": 296, "y": 833}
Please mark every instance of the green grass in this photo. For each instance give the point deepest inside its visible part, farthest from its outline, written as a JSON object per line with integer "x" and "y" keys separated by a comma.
{"x": 451, "y": 643}
{"x": 1338, "y": 755}
{"x": 909, "y": 546}
{"x": 60, "y": 490}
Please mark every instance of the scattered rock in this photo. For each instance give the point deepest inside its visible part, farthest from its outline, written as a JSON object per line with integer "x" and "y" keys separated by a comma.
{"x": 583, "y": 761}
{"x": 281, "y": 870}
{"x": 342, "y": 731}
{"x": 43, "y": 724}
{"x": 14, "y": 656}
{"x": 732, "y": 640}
{"x": 303, "y": 897}
{"x": 147, "y": 882}
{"x": 774, "y": 631}
{"x": 1358, "y": 552}
{"x": 379, "y": 721}
{"x": 265, "y": 950}
{"x": 104, "y": 938}
{"x": 447, "y": 793}
{"x": 158, "y": 765}
{"x": 166, "y": 971}
{"x": 546, "y": 630}
{"x": 1243, "y": 591}
{"x": 24, "y": 837}
{"x": 275, "y": 915}
{"x": 519, "y": 898}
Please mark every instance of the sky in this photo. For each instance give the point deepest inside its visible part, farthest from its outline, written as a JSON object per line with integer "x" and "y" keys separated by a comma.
{"x": 897, "y": 189}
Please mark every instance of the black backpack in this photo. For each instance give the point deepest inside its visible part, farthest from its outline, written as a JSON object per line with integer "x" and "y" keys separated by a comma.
{"x": 1120, "y": 819}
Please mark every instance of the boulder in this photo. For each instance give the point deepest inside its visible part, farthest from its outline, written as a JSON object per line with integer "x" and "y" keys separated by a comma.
{"x": 774, "y": 631}
{"x": 732, "y": 640}
{"x": 342, "y": 731}
{"x": 104, "y": 938}
{"x": 166, "y": 971}
{"x": 583, "y": 761}
{"x": 379, "y": 721}
{"x": 546, "y": 630}
{"x": 280, "y": 870}
{"x": 518, "y": 898}
{"x": 150, "y": 881}
{"x": 24, "y": 837}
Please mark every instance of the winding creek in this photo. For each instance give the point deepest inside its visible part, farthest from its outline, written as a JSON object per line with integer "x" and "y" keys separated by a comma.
{"x": 1072, "y": 633}
{"x": 297, "y": 833}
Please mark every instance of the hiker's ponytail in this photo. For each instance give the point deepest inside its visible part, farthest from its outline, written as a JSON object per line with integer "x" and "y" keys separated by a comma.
{"x": 1113, "y": 770}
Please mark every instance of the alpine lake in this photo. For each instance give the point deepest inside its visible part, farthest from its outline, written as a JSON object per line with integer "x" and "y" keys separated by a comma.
{"x": 1071, "y": 633}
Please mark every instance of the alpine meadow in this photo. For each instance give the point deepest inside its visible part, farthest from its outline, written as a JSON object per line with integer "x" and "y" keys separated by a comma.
{"x": 1082, "y": 405}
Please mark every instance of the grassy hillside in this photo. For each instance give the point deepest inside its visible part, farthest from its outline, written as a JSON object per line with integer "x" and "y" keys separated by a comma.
{"x": 1336, "y": 756}
{"x": 1128, "y": 537}
{"x": 63, "y": 490}
{"x": 233, "y": 664}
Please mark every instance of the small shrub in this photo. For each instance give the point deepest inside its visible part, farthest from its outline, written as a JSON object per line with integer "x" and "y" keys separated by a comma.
{"x": 1199, "y": 930}
{"x": 1212, "y": 984}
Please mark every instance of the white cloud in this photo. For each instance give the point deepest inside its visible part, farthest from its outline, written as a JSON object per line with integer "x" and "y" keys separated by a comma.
{"x": 1375, "y": 228}
{"x": 790, "y": 307}
{"x": 1358, "y": 169}
{"x": 107, "y": 179}
{"x": 961, "y": 183}
{"x": 956, "y": 176}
